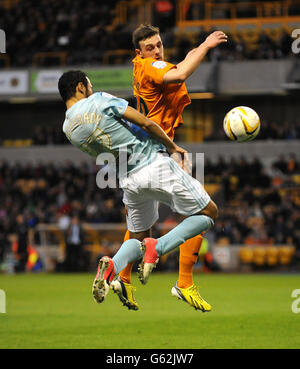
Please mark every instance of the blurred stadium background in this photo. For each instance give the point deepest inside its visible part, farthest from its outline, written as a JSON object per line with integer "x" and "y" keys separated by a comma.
{"x": 48, "y": 189}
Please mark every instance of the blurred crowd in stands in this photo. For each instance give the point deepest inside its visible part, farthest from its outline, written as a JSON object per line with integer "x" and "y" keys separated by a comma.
{"x": 270, "y": 130}
{"x": 47, "y": 135}
{"x": 83, "y": 29}
{"x": 67, "y": 25}
{"x": 243, "y": 45}
{"x": 257, "y": 204}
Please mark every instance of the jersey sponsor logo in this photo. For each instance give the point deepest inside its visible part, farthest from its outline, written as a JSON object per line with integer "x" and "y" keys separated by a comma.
{"x": 159, "y": 64}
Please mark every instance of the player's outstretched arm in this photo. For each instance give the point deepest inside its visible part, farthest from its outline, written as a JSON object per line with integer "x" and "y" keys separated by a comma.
{"x": 153, "y": 129}
{"x": 192, "y": 60}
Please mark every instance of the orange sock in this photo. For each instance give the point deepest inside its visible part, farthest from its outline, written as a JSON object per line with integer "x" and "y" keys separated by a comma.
{"x": 125, "y": 274}
{"x": 188, "y": 256}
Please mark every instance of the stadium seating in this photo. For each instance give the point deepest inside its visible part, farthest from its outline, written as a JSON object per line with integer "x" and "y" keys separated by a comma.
{"x": 272, "y": 255}
{"x": 50, "y": 57}
{"x": 285, "y": 254}
{"x": 246, "y": 255}
{"x": 259, "y": 254}
{"x": 17, "y": 143}
{"x": 266, "y": 255}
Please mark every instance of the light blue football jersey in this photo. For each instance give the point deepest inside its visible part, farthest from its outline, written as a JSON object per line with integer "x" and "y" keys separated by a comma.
{"x": 95, "y": 125}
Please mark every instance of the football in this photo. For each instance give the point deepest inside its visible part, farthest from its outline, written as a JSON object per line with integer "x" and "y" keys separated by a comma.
{"x": 241, "y": 124}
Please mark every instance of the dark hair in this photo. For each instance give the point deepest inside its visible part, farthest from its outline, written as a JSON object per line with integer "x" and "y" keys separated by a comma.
{"x": 143, "y": 32}
{"x": 68, "y": 82}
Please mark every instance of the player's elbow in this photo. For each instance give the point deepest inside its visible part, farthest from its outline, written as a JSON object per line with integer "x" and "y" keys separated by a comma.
{"x": 178, "y": 77}
{"x": 181, "y": 78}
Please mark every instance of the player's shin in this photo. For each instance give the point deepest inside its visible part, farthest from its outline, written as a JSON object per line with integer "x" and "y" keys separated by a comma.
{"x": 125, "y": 274}
{"x": 188, "y": 228}
{"x": 188, "y": 257}
{"x": 128, "y": 252}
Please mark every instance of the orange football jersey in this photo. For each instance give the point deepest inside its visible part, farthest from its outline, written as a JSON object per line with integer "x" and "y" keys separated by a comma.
{"x": 161, "y": 102}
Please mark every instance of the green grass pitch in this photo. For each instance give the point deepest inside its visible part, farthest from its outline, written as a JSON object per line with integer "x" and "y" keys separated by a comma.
{"x": 51, "y": 311}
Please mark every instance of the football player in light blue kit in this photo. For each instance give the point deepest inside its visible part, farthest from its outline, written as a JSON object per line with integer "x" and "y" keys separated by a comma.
{"x": 99, "y": 123}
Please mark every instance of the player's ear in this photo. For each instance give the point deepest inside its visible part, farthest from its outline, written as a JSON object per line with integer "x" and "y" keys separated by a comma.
{"x": 81, "y": 88}
{"x": 138, "y": 52}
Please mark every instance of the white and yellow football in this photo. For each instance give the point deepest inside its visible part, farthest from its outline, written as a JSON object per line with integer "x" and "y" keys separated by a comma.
{"x": 241, "y": 124}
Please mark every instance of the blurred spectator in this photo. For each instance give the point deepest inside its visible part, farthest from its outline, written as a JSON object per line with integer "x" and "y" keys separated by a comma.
{"x": 164, "y": 14}
{"x": 285, "y": 44}
{"x": 46, "y": 135}
{"x": 280, "y": 164}
{"x": 75, "y": 260}
{"x": 4, "y": 232}
{"x": 266, "y": 47}
{"x": 24, "y": 238}
{"x": 183, "y": 46}
{"x": 292, "y": 164}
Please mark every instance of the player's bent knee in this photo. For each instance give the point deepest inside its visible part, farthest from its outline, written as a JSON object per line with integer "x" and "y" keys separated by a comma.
{"x": 215, "y": 211}
{"x": 211, "y": 210}
{"x": 140, "y": 235}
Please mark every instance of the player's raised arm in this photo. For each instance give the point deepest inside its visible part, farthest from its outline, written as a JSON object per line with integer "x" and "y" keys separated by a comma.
{"x": 193, "y": 58}
{"x": 153, "y": 129}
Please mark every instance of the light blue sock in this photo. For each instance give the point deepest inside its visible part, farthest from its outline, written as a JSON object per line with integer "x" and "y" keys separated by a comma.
{"x": 128, "y": 252}
{"x": 188, "y": 228}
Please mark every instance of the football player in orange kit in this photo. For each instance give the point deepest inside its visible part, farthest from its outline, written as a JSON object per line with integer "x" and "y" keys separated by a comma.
{"x": 161, "y": 94}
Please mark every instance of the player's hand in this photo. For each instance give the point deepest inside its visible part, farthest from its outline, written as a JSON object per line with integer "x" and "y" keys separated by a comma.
{"x": 180, "y": 155}
{"x": 214, "y": 39}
